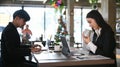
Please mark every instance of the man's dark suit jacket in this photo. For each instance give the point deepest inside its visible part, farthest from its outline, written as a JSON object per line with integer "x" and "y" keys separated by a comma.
{"x": 12, "y": 52}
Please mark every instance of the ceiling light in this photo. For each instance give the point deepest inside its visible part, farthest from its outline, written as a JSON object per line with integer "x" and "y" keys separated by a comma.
{"x": 33, "y": 0}
{"x": 77, "y": 0}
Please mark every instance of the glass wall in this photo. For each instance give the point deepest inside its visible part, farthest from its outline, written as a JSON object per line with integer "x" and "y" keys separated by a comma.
{"x": 44, "y": 21}
{"x": 80, "y": 23}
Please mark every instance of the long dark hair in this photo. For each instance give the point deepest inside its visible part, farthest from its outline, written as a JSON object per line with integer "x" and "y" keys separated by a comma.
{"x": 99, "y": 19}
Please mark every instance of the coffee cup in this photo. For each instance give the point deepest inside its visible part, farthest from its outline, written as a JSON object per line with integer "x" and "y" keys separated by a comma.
{"x": 87, "y": 32}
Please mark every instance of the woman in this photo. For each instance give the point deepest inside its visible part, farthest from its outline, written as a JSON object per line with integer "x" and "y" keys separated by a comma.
{"x": 104, "y": 44}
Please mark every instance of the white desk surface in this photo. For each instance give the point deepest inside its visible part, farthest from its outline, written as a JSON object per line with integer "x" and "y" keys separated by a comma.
{"x": 53, "y": 59}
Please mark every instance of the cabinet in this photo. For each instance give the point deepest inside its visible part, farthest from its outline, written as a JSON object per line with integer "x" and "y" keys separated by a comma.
{"x": 118, "y": 33}
{"x": 118, "y": 40}
{"x": 118, "y": 27}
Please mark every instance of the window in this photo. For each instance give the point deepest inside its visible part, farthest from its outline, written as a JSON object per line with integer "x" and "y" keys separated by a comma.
{"x": 6, "y": 16}
{"x": 44, "y": 21}
{"x": 80, "y": 23}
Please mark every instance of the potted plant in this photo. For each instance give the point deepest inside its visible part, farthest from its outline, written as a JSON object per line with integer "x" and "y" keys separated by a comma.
{"x": 61, "y": 31}
{"x": 57, "y": 42}
{"x": 57, "y": 4}
{"x": 93, "y": 3}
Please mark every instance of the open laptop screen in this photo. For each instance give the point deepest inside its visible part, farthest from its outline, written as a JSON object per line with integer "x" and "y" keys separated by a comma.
{"x": 65, "y": 48}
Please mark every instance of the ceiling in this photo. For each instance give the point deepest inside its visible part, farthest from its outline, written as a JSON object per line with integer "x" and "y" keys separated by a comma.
{"x": 81, "y": 3}
{"x": 38, "y": 2}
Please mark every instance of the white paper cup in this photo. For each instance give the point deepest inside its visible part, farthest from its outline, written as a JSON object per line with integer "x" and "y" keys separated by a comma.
{"x": 87, "y": 32}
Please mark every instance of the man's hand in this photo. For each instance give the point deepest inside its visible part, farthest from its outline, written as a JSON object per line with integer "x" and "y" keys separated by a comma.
{"x": 35, "y": 48}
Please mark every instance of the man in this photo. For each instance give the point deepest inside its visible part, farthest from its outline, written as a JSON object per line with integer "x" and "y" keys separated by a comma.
{"x": 12, "y": 51}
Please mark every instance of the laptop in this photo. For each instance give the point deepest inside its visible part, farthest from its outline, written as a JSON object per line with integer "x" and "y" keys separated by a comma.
{"x": 67, "y": 51}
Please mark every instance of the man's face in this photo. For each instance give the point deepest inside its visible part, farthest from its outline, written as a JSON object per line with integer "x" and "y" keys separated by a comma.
{"x": 20, "y": 22}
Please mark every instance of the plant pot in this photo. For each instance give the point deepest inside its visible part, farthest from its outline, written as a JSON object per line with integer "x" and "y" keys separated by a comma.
{"x": 57, "y": 48}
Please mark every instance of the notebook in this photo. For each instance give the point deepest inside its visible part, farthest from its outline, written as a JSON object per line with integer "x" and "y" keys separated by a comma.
{"x": 67, "y": 51}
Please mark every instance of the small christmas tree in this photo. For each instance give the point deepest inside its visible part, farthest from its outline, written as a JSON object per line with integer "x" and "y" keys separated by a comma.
{"x": 61, "y": 30}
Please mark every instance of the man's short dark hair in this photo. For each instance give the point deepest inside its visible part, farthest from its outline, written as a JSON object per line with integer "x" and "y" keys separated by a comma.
{"x": 22, "y": 14}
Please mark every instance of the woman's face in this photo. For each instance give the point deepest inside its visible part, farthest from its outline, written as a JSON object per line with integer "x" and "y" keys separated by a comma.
{"x": 92, "y": 23}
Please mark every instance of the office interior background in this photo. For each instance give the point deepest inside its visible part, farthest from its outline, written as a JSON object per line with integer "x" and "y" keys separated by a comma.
{"x": 44, "y": 19}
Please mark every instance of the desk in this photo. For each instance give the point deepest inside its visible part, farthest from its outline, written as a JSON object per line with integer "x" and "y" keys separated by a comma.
{"x": 50, "y": 59}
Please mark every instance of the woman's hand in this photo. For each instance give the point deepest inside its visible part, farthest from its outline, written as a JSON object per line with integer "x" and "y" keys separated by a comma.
{"x": 86, "y": 39}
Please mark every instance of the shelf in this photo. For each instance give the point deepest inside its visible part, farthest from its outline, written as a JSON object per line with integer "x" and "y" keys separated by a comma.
{"x": 117, "y": 34}
{"x": 117, "y": 41}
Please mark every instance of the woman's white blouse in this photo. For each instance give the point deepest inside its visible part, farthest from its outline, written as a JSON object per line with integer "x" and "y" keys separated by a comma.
{"x": 91, "y": 46}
